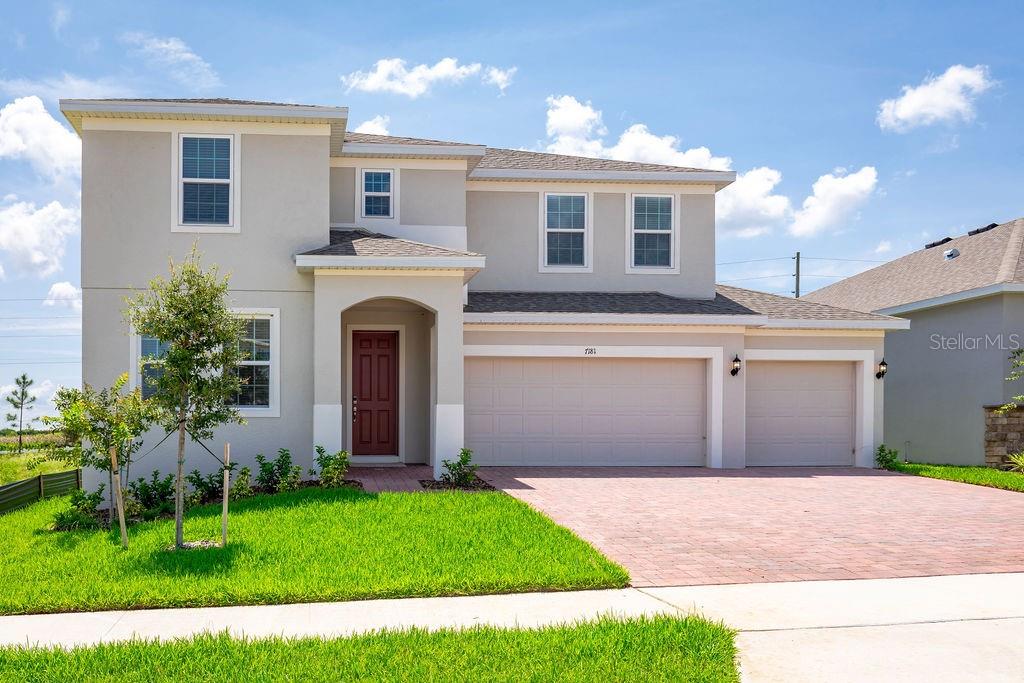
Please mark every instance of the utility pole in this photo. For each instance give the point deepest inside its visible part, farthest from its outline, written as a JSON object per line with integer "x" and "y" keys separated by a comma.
{"x": 797, "y": 291}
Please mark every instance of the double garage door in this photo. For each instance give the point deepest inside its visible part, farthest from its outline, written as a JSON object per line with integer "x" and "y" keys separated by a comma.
{"x": 651, "y": 411}
{"x": 585, "y": 411}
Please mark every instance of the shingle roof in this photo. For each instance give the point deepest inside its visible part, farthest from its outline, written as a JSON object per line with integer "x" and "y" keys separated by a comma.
{"x": 497, "y": 158}
{"x": 396, "y": 140}
{"x": 366, "y": 243}
{"x": 727, "y": 301}
{"x": 986, "y": 258}
{"x": 203, "y": 100}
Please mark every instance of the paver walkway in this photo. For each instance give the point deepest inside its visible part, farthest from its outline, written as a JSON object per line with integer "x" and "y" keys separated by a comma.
{"x": 690, "y": 526}
{"x": 950, "y": 628}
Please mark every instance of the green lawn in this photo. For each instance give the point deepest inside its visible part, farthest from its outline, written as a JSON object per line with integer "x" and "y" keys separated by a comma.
{"x": 654, "y": 649}
{"x": 310, "y": 545}
{"x": 982, "y": 476}
{"x": 14, "y": 467}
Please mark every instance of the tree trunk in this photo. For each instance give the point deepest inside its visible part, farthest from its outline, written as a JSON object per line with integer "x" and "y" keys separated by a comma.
{"x": 21, "y": 423}
{"x": 179, "y": 485}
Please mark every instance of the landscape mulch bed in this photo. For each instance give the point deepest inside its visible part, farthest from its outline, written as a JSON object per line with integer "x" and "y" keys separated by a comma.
{"x": 477, "y": 485}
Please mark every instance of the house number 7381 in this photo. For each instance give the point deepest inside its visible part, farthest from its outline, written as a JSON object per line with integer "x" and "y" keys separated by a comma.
{"x": 589, "y": 351}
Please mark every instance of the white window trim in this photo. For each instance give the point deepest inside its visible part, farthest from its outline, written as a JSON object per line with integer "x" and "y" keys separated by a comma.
{"x": 177, "y": 182}
{"x": 274, "y": 314}
{"x": 673, "y": 267}
{"x": 363, "y": 194}
{"x": 588, "y": 234}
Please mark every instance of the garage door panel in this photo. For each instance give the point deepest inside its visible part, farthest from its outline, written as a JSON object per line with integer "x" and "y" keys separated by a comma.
{"x": 570, "y": 411}
{"x": 800, "y": 413}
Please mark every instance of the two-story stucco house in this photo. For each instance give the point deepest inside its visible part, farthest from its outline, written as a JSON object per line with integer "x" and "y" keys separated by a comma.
{"x": 408, "y": 297}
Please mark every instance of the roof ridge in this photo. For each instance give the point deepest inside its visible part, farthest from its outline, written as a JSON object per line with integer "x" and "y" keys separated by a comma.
{"x": 1011, "y": 257}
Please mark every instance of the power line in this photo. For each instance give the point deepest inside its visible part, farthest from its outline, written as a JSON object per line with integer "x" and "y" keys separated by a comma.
{"x": 759, "y": 277}
{"x": 35, "y": 336}
{"x": 41, "y": 362}
{"x": 756, "y": 260}
{"x": 853, "y": 260}
{"x": 47, "y": 298}
{"x": 40, "y": 317}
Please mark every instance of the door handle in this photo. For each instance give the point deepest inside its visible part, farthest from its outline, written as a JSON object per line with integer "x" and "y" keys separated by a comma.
{"x": 355, "y": 407}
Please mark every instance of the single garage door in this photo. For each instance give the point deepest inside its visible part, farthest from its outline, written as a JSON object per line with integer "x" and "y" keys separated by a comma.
{"x": 800, "y": 413}
{"x": 585, "y": 411}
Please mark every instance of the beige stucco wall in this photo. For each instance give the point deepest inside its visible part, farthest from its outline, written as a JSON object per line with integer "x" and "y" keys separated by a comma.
{"x": 504, "y": 225}
{"x": 432, "y": 197}
{"x": 127, "y": 239}
{"x": 935, "y": 398}
{"x": 343, "y": 195}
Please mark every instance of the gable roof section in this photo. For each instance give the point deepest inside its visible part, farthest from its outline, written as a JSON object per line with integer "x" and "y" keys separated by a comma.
{"x": 362, "y": 250}
{"x": 988, "y": 262}
{"x": 731, "y": 306}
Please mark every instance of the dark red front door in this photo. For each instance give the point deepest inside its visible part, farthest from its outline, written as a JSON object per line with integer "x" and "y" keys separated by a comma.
{"x": 375, "y": 393}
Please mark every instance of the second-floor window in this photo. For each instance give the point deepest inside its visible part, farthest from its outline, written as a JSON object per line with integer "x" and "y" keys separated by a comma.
{"x": 565, "y": 230}
{"x": 652, "y": 231}
{"x": 206, "y": 180}
{"x": 377, "y": 195}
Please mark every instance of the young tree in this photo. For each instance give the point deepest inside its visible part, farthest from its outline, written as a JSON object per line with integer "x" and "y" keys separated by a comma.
{"x": 195, "y": 380}
{"x": 92, "y": 422}
{"x": 21, "y": 400}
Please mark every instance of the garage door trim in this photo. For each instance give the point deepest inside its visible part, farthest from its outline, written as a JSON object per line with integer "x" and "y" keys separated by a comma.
{"x": 864, "y": 433}
{"x": 714, "y": 354}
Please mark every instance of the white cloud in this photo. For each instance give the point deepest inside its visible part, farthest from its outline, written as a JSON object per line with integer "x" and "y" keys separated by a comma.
{"x": 393, "y": 76}
{"x": 64, "y": 294}
{"x": 29, "y": 133}
{"x": 500, "y": 78}
{"x": 574, "y": 127}
{"x": 948, "y": 98}
{"x": 884, "y": 247}
{"x": 175, "y": 57}
{"x": 32, "y": 240}
{"x": 60, "y": 18}
{"x": 748, "y": 207}
{"x": 378, "y": 125}
{"x": 836, "y": 197}
{"x": 68, "y": 85}
{"x": 43, "y": 391}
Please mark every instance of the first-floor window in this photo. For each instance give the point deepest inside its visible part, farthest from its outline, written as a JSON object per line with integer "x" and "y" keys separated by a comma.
{"x": 565, "y": 228}
{"x": 152, "y": 349}
{"x": 652, "y": 231}
{"x": 254, "y": 371}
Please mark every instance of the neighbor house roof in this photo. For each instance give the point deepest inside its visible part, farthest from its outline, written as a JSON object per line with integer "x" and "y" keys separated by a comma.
{"x": 731, "y": 306}
{"x": 987, "y": 261}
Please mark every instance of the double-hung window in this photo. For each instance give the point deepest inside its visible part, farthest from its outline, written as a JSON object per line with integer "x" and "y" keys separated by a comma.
{"x": 565, "y": 231}
{"x": 205, "y": 180}
{"x": 150, "y": 349}
{"x": 377, "y": 194}
{"x": 254, "y": 370}
{"x": 653, "y": 231}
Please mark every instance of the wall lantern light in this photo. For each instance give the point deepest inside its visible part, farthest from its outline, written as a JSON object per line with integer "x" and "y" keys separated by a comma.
{"x": 883, "y": 368}
{"x": 736, "y": 365}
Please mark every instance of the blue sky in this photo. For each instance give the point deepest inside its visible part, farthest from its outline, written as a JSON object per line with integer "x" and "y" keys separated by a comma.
{"x": 859, "y": 131}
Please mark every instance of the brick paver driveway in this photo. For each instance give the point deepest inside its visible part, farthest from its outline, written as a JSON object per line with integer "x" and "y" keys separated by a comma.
{"x": 677, "y": 526}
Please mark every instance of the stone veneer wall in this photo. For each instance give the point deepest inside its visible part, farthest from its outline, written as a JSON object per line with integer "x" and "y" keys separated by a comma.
{"x": 1004, "y": 434}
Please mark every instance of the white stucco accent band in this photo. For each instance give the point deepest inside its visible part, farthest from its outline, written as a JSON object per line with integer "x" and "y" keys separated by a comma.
{"x": 327, "y": 426}
{"x": 449, "y": 425}
{"x": 864, "y": 432}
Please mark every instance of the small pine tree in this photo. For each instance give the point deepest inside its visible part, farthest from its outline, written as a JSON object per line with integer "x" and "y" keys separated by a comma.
{"x": 21, "y": 400}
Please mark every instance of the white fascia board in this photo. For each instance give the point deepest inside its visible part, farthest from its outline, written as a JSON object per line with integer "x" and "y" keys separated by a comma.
{"x": 758, "y": 321}
{"x": 725, "y": 177}
{"x": 362, "y": 149}
{"x": 957, "y": 297}
{"x": 413, "y": 262}
{"x": 289, "y": 111}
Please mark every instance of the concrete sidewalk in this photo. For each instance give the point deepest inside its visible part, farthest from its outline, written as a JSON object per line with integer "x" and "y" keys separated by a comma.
{"x": 947, "y": 628}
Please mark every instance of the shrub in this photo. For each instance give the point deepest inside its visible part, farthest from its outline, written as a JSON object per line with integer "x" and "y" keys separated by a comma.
{"x": 83, "y": 513}
{"x": 278, "y": 475}
{"x": 1016, "y": 462}
{"x": 461, "y": 472}
{"x": 887, "y": 458}
{"x": 241, "y": 487}
{"x": 156, "y": 496}
{"x": 333, "y": 467}
{"x": 211, "y": 487}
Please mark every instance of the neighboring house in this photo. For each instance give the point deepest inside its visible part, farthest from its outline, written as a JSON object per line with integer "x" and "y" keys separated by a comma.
{"x": 409, "y": 297}
{"x": 965, "y": 300}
